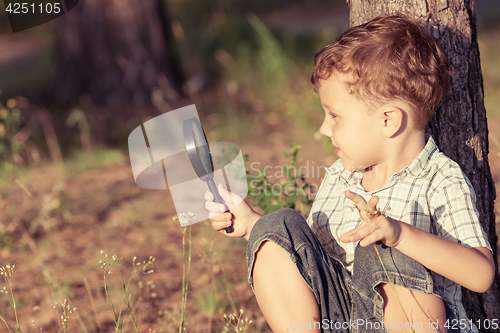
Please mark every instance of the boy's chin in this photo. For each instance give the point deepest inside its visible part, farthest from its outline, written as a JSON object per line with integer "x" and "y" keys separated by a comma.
{"x": 351, "y": 166}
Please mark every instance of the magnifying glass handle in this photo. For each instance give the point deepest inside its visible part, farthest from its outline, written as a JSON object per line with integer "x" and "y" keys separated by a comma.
{"x": 218, "y": 199}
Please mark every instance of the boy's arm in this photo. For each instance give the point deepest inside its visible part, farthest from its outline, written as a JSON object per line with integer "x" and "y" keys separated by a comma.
{"x": 472, "y": 268}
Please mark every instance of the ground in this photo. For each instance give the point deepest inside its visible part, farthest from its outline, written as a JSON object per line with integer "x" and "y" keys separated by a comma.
{"x": 61, "y": 219}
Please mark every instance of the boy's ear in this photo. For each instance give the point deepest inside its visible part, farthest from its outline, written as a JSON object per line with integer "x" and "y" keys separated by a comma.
{"x": 394, "y": 120}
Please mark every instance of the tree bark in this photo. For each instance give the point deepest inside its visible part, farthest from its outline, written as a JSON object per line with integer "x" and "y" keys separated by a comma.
{"x": 116, "y": 52}
{"x": 460, "y": 125}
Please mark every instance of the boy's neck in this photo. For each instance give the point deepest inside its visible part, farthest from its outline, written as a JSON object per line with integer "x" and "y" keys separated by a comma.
{"x": 399, "y": 154}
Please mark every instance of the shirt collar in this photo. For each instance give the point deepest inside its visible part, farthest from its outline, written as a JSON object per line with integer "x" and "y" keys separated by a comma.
{"x": 415, "y": 169}
{"x": 419, "y": 164}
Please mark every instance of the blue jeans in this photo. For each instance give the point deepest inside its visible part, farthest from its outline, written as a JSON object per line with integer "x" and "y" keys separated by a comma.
{"x": 347, "y": 302}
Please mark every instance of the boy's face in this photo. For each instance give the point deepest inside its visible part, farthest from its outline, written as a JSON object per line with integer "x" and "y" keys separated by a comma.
{"x": 350, "y": 124}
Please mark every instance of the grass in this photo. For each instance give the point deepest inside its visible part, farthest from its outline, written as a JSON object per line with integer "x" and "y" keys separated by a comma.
{"x": 7, "y": 273}
{"x": 78, "y": 162}
{"x": 269, "y": 89}
{"x": 186, "y": 269}
{"x": 128, "y": 300}
{"x": 122, "y": 301}
{"x": 81, "y": 161}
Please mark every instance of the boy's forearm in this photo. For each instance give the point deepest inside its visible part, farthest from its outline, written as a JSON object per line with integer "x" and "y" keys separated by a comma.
{"x": 472, "y": 268}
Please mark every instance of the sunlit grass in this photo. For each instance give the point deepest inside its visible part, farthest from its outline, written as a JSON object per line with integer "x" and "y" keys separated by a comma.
{"x": 77, "y": 162}
{"x": 81, "y": 161}
{"x": 266, "y": 90}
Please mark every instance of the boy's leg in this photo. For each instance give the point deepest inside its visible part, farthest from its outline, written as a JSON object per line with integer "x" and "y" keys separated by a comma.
{"x": 418, "y": 306}
{"x": 284, "y": 298}
{"x": 375, "y": 300}
{"x": 298, "y": 286}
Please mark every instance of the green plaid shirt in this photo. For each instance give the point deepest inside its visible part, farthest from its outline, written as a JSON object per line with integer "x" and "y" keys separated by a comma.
{"x": 432, "y": 194}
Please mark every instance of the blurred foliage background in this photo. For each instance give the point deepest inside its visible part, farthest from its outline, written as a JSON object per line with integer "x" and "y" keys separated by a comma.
{"x": 245, "y": 64}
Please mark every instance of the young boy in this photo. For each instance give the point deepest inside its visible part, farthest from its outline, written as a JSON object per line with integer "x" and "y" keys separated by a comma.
{"x": 392, "y": 205}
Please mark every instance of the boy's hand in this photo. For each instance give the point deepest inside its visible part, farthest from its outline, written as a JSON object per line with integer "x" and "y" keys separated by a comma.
{"x": 374, "y": 227}
{"x": 241, "y": 216}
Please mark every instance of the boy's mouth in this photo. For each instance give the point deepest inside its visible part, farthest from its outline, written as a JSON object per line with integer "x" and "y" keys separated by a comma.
{"x": 338, "y": 151}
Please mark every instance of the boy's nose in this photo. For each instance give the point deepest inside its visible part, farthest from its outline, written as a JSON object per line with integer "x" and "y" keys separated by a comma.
{"x": 325, "y": 130}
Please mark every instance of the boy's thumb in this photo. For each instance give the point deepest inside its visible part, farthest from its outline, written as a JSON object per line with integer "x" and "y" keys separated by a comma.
{"x": 229, "y": 197}
{"x": 223, "y": 192}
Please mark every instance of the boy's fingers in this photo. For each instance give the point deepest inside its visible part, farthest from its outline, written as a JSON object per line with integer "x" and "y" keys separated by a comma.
{"x": 214, "y": 207}
{"x": 224, "y": 194}
{"x": 220, "y": 222}
{"x": 351, "y": 235}
{"x": 209, "y": 196}
{"x": 366, "y": 208}
{"x": 360, "y": 204}
{"x": 221, "y": 226}
{"x": 356, "y": 198}
{"x": 371, "y": 211}
{"x": 219, "y": 217}
{"x": 366, "y": 233}
{"x": 231, "y": 199}
{"x": 370, "y": 234}
{"x": 372, "y": 204}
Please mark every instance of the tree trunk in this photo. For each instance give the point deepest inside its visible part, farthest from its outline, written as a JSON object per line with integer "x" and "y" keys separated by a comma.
{"x": 459, "y": 126}
{"x": 117, "y": 52}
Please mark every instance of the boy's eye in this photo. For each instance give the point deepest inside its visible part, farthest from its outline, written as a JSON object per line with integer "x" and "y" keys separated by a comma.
{"x": 332, "y": 115}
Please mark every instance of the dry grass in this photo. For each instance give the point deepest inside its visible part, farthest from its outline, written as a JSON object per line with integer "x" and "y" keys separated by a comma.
{"x": 59, "y": 231}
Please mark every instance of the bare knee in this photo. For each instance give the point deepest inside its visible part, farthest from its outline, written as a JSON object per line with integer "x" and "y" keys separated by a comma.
{"x": 283, "y": 296}
{"x": 272, "y": 264}
{"x": 407, "y": 310}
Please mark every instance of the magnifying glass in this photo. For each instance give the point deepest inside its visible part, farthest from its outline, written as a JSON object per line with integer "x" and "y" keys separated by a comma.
{"x": 200, "y": 157}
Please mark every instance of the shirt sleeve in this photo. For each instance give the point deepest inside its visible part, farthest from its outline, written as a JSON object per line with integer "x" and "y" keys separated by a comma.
{"x": 454, "y": 215}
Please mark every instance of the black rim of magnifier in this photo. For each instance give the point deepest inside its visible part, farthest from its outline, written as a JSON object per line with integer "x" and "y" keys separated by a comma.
{"x": 194, "y": 156}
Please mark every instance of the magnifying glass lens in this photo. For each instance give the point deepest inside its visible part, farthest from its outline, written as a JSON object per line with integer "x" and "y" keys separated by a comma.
{"x": 200, "y": 157}
{"x": 202, "y": 148}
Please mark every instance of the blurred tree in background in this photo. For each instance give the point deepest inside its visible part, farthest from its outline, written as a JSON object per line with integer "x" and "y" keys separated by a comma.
{"x": 116, "y": 52}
